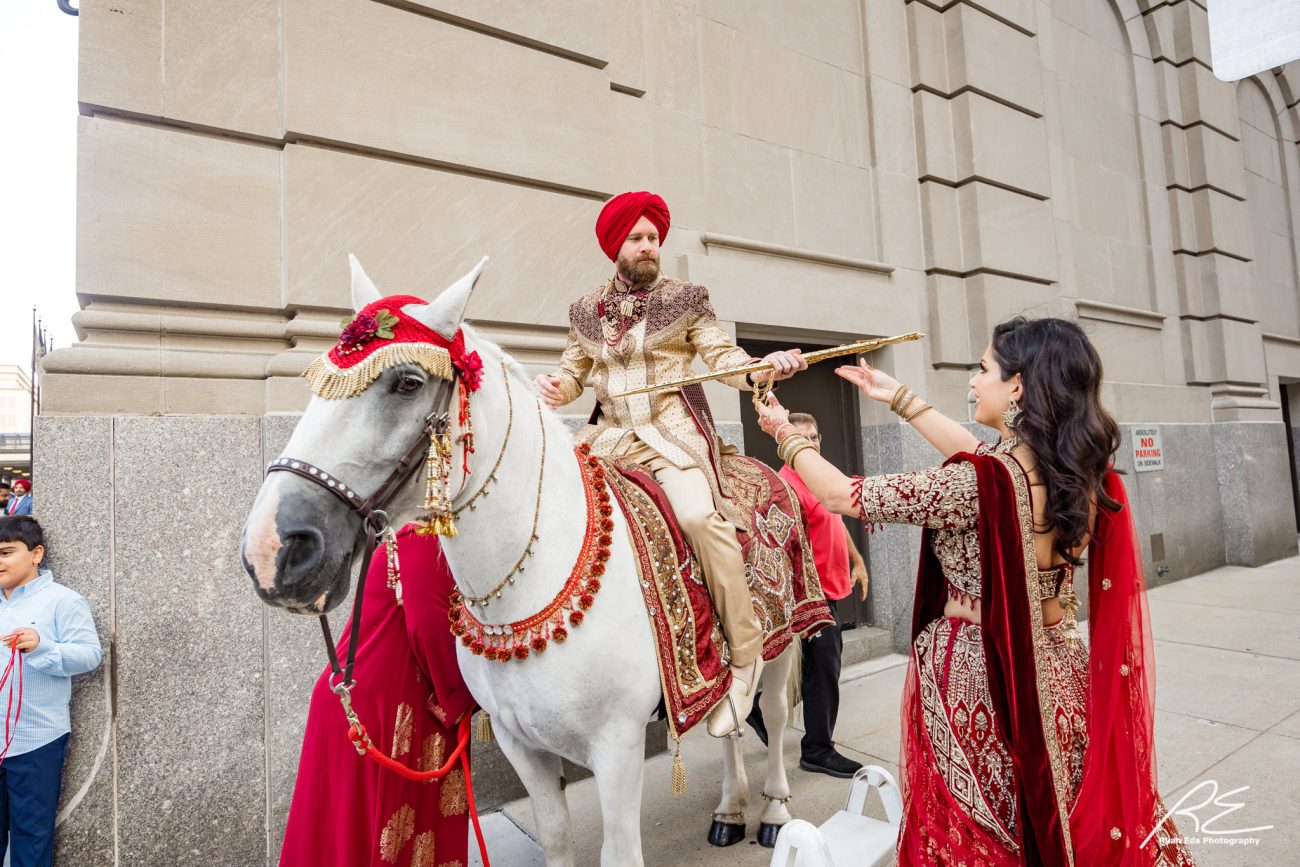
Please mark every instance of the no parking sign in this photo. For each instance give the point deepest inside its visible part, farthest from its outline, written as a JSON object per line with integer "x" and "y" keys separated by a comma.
{"x": 1148, "y": 451}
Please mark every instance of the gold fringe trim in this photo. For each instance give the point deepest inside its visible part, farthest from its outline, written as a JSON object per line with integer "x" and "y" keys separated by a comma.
{"x": 483, "y": 728}
{"x": 677, "y": 782}
{"x": 330, "y": 382}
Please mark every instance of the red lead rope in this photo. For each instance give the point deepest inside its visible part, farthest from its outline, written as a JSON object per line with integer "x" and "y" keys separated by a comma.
{"x": 366, "y": 747}
{"x": 15, "y": 661}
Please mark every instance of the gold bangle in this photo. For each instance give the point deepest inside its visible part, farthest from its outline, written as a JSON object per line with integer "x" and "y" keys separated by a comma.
{"x": 780, "y": 447}
{"x": 903, "y": 404}
{"x": 787, "y": 444}
{"x": 801, "y": 447}
{"x": 893, "y": 402}
{"x": 790, "y": 444}
{"x": 907, "y": 401}
{"x": 918, "y": 411}
{"x": 785, "y": 424}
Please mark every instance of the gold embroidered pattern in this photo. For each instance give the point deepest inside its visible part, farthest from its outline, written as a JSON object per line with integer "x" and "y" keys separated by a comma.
{"x": 402, "y": 730}
{"x": 1042, "y": 664}
{"x": 648, "y": 524}
{"x": 1069, "y": 665}
{"x": 400, "y": 827}
{"x": 970, "y": 752}
{"x": 451, "y": 796}
{"x": 455, "y": 863}
{"x": 431, "y": 753}
{"x": 958, "y": 552}
{"x": 679, "y": 325}
{"x": 942, "y": 498}
{"x": 422, "y": 853}
{"x": 1051, "y": 580}
{"x": 1171, "y": 850}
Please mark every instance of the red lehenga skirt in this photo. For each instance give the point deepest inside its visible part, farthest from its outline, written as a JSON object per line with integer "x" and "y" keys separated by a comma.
{"x": 960, "y": 786}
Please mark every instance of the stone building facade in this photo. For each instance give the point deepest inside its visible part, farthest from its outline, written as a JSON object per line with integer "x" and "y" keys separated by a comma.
{"x": 835, "y": 168}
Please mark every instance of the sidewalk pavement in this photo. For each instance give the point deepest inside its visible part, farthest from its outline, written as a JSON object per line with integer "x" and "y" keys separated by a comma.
{"x": 1227, "y": 716}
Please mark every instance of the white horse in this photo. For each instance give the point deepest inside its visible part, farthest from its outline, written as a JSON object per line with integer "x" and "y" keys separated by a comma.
{"x": 587, "y": 700}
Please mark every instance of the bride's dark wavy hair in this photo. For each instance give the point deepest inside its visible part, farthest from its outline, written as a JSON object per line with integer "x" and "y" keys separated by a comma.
{"x": 1061, "y": 419}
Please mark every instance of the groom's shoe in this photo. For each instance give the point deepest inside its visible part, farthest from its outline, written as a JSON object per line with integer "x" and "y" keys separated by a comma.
{"x": 739, "y": 701}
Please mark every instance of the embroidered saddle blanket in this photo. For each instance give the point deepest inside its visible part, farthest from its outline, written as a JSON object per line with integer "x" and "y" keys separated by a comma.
{"x": 788, "y": 597}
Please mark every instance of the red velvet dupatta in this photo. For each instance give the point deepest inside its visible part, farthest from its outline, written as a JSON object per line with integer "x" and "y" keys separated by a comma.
{"x": 1117, "y": 803}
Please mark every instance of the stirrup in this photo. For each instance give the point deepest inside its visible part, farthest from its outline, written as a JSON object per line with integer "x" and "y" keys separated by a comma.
{"x": 739, "y": 730}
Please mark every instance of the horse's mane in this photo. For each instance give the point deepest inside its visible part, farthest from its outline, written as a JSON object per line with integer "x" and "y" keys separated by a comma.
{"x": 495, "y": 353}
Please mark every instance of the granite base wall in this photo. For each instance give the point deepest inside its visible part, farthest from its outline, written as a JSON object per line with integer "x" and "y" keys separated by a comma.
{"x": 1255, "y": 484}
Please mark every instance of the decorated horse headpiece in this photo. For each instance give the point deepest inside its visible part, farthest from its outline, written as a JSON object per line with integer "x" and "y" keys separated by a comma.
{"x": 383, "y": 335}
{"x": 391, "y": 331}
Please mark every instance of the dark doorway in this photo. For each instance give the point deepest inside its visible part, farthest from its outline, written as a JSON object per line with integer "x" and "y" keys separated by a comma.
{"x": 1286, "y": 392}
{"x": 834, "y": 403}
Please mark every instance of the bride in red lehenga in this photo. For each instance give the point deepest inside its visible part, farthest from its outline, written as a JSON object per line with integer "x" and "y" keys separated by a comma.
{"x": 1020, "y": 745}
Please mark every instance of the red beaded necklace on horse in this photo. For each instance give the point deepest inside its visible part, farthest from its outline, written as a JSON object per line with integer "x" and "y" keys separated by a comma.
{"x": 507, "y": 641}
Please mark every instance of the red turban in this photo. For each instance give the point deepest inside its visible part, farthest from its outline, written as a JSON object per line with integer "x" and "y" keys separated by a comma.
{"x": 22, "y": 485}
{"x": 621, "y": 213}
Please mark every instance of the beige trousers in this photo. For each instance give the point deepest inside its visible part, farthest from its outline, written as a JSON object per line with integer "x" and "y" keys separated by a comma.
{"x": 713, "y": 538}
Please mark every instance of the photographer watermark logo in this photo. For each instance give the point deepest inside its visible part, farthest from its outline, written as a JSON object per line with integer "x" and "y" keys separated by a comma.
{"x": 1201, "y": 825}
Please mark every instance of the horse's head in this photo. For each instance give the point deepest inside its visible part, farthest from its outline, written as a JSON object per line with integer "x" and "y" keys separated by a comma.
{"x": 374, "y": 393}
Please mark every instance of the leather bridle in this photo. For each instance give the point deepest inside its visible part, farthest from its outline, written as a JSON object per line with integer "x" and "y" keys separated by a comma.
{"x": 374, "y": 520}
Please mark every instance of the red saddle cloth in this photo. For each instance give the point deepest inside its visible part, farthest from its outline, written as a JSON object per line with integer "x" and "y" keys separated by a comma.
{"x": 788, "y": 597}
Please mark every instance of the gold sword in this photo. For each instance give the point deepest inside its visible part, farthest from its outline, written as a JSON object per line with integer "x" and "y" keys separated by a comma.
{"x": 811, "y": 357}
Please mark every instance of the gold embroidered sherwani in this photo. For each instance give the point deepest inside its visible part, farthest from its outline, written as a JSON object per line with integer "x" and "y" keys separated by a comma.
{"x": 620, "y": 339}
{"x": 678, "y": 323}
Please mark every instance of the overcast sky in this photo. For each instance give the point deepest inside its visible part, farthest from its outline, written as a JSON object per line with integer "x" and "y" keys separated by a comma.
{"x": 38, "y": 173}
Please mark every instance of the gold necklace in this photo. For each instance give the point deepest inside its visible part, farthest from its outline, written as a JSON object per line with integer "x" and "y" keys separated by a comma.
{"x": 495, "y": 592}
{"x": 492, "y": 474}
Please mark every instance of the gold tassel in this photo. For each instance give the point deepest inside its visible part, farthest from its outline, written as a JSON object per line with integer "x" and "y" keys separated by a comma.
{"x": 1070, "y": 605}
{"x": 677, "y": 782}
{"x": 483, "y": 728}
{"x": 394, "y": 567}
{"x": 438, "y": 519}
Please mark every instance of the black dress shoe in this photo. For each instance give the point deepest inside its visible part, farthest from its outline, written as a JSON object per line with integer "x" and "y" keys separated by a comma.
{"x": 832, "y": 764}
{"x": 755, "y": 723}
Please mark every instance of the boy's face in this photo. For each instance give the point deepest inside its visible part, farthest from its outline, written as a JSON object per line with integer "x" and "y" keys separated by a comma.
{"x": 19, "y": 564}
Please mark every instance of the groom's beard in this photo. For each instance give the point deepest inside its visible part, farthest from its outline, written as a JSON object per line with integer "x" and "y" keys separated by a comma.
{"x": 644, "y": 270}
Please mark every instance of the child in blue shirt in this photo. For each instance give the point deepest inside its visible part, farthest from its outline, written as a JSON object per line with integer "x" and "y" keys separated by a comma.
{"x": 53, "y": 631}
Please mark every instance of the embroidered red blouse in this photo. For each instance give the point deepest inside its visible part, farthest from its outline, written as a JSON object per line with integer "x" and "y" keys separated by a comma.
{"x": 945, "y": 499}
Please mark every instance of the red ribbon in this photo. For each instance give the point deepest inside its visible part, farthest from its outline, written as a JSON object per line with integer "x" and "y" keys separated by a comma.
{"x": 15, "y": 661}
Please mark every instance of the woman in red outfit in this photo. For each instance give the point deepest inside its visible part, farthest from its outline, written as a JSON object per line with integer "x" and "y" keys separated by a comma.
{"x": 1020, "y": 744}
{"x": 347, "y": 811}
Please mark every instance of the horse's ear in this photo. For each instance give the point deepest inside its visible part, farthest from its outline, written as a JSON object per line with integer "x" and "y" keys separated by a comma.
{"x": 364, "y": 291}
{"x": 444, "y": 314}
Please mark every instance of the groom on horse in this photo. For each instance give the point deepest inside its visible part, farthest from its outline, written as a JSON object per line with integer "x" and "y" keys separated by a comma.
{"x": 640, "y": 328}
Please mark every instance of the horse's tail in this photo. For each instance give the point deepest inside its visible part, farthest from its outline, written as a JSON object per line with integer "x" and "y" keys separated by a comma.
{"x": 794, "y": 682}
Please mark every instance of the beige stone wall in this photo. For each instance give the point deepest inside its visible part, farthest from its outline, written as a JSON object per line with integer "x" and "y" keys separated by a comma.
{"x": 834, "y": 169}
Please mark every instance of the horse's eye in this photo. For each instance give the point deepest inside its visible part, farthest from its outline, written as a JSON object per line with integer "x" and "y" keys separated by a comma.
{"x": 408, "y": 384}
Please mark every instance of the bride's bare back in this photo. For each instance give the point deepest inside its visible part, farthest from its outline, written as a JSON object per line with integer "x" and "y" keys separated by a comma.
{"x": 1044, "y": 545}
